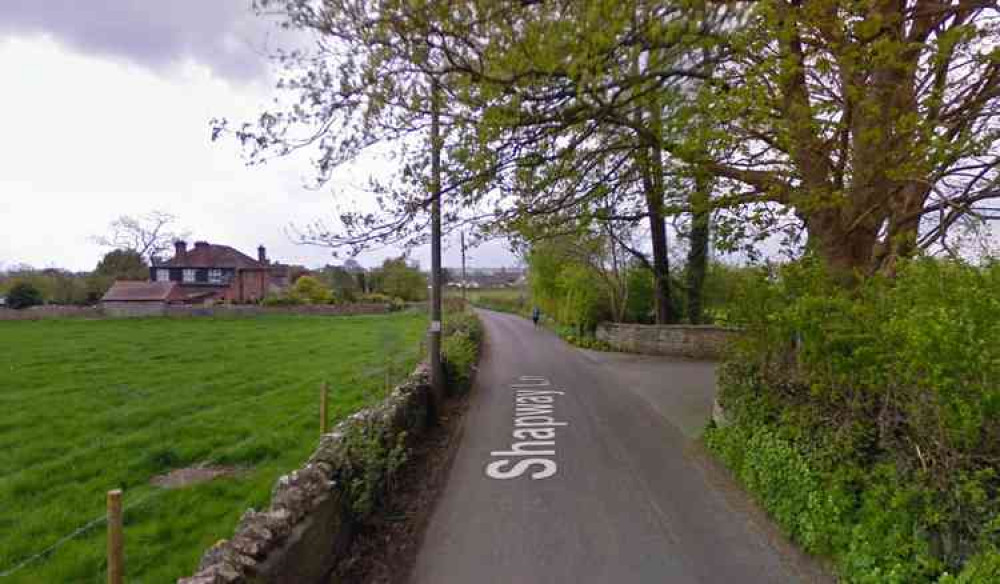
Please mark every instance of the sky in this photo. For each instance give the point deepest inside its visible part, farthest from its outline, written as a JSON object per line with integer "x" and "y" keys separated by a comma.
{"x": 106, "y": 107}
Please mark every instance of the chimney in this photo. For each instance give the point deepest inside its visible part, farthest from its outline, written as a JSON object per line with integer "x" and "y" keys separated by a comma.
{"x": 200, "y": 244}
{"x": 180, "y": 248}
{"x": 262, "y": 255}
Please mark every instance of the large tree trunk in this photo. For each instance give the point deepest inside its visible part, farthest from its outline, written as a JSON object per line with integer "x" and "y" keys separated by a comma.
{"x": 697, "y": 261}
{"x": 651, "y": 167}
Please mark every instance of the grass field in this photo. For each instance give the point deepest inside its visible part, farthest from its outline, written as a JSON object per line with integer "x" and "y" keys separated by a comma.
{"x": 516, "y": 300}
{"x": 89, "y": 406}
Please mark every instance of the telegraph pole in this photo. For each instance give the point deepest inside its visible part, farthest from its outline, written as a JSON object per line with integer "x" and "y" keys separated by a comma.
{"x": 434, "y": 335}
{"x": 465, "y": 280}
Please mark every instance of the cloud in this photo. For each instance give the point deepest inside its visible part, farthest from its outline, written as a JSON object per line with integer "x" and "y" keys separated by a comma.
{"x": 224, "y": 35}
{"x": 87, "y": 138}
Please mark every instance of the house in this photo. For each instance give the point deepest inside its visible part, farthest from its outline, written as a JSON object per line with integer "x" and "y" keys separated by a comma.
{"x": 137, "y": 298}
{"x": 218, "y": 273}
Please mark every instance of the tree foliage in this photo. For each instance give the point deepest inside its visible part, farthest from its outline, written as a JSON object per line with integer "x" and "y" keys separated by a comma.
{"x": 24, "y": 295}
{"x": 310, "y": 290}
{"x": 874, "y": 122}
{"x": 397, "y": 279}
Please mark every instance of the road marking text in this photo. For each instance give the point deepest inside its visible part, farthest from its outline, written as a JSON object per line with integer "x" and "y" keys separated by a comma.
{"x": 534, "y": 446}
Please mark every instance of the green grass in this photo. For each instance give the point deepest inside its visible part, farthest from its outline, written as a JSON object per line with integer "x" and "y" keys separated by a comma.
{"x": 515, "y": 300}
{"x": 90, "y": 406}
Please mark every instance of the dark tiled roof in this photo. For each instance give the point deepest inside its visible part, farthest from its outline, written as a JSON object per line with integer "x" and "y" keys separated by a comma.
{"x": 126, "y": 291}
{"x": 212, "y": 256}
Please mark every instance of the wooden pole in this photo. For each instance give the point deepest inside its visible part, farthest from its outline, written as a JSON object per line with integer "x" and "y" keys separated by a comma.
{"x": 465, "y": 279}
{"x": 434, "y": 342}
{"x": 116, "y": 555}
{"x": 324, "y": 392}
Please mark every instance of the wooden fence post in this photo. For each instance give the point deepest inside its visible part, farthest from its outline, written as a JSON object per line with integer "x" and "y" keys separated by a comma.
{"x": 116, "y": 556}
{"x": 323, "y": 396}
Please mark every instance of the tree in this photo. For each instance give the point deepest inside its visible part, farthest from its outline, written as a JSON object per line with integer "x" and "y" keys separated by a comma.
{"x": 399, "y": 280}
{"x": 875, "y": 122}
{"x": 123, "y": 264}
{"x": 148, "y": 235}
{"x": 311, "y": 290}
{"x": 118, "y": 264}
{"x": 341, "y": 282}
{"x": 571, "y": 100}
{"x": 24, "y": 295}
{"x": 563, "y": 284}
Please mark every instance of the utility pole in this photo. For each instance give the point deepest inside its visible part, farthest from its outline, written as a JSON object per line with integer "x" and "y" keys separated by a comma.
{"x": 434, "y": 335}
{"x": 465, "y": 281}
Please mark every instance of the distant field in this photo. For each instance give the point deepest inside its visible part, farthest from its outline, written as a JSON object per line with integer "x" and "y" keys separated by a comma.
{"x": 516, "y": 300}
{"x": 89, "y": 406}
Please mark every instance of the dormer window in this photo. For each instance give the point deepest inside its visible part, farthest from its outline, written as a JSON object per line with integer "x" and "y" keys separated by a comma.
{"x": 189, "y": 275}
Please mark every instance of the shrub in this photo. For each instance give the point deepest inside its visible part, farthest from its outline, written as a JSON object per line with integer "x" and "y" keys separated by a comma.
{"x": 461, "y": 338}
{"x": 883, "y": 397}
{"x": 984, "y": 567}
{"x": 376, "y": 298}
{"x": 282, "y": 300}
{"x": 309, "y": 290}
{"x": 374, "y": 459}
{"x": 23, "y": 295}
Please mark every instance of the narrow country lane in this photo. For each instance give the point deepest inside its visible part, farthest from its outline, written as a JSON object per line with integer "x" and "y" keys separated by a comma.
{"x": 624, "y": 494}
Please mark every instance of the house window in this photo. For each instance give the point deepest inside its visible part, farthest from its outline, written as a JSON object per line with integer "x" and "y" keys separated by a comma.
{"x": 189, "y": 275}
{"x": 215, "y": 276}
{"x": 162, "y": 275}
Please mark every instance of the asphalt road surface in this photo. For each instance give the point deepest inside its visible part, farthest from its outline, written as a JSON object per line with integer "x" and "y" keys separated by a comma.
{"x": 577, "y": 466}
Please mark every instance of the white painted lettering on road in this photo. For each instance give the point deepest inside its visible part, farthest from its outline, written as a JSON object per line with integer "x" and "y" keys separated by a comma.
{"x": 534, "y": 445}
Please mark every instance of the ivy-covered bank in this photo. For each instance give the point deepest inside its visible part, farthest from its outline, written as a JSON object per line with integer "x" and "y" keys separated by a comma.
{"x": 867, "y": 421}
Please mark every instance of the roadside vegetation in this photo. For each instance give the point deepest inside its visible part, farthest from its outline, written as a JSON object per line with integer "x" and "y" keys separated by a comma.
{"x": 867, "y": 420}
{"x": 96, "y": 405}
{"x": 461, "y": 341}
{"x": 512, "y": 300}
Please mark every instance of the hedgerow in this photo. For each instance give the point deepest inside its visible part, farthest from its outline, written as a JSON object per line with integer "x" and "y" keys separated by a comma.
{"x": 866, "y": 419}
{"x": 461, "y": 339}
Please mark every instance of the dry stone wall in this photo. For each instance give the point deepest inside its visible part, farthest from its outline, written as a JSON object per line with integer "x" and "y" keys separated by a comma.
{"x": 145, "y": 309}
{"x": 690, "y": 341}
{"x": 50, "y": 311}
{"x": 255, "y": 310}
{"x": 309, "y": 526}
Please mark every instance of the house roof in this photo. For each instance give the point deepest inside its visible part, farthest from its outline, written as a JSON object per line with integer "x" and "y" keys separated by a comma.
{"x": 128, "y": 291}
{"x": 207, "y": 255}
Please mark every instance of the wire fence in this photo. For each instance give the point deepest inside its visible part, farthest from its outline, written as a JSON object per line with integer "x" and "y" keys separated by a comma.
{"x": 86, "y": 527}
{"x": 380, "y": 379}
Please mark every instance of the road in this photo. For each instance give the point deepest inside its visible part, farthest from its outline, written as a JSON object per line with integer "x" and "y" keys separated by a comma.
{"x": 625, "y": 494}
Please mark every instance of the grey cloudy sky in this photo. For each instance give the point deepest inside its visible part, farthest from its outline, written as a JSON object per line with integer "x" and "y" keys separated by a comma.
{"x": 222, "y": 34}
{"x": 106, "y": 105}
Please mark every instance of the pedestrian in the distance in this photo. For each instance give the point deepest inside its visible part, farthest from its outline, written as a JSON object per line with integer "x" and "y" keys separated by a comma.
{"x": 535, "y": 315}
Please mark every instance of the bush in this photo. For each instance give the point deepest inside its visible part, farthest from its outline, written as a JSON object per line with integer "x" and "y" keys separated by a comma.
{"x": 23, "y": 295}
{"x": 883, "y": 398}
{"x": 376, "y": 298}
{"x": 309, "y": 290}
{"x": 461, "y": 338}
{"x": 375, "y": 459}
{"x": 282, "y": 300}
